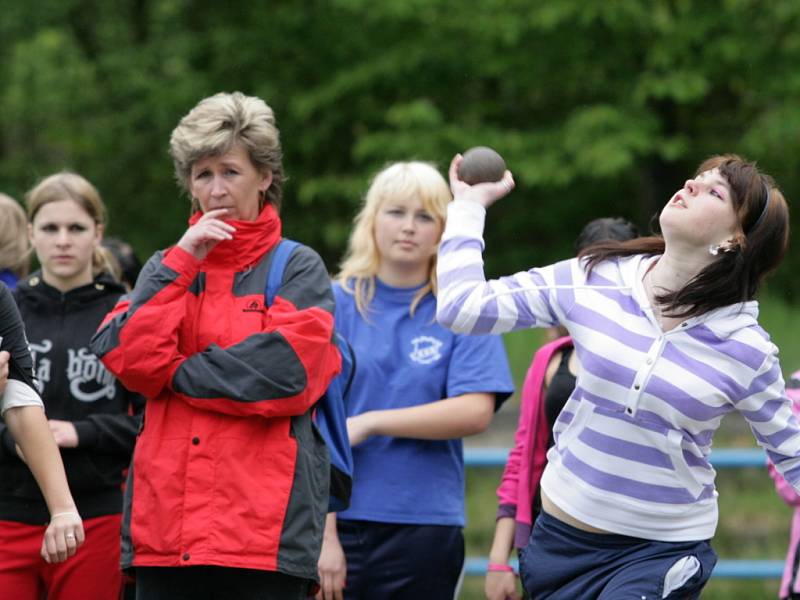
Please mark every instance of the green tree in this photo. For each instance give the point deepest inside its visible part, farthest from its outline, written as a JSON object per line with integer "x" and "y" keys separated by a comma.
{"x": 600, "y": 108}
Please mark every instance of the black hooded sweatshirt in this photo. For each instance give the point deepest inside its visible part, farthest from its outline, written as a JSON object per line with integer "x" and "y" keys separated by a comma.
{"x": 76, "y": 387}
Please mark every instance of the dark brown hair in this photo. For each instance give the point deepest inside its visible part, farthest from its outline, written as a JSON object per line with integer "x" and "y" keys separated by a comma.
{"x": 738, "y": 271}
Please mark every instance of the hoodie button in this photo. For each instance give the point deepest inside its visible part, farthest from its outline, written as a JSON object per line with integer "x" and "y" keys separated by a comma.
{"x": 186, "y": 556}
{"x": 195, "y": 440}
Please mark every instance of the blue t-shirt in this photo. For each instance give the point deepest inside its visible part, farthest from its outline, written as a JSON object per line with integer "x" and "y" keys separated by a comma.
{"x": 405, "y": 361}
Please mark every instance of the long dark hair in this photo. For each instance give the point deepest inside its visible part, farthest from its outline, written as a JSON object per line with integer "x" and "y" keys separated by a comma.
{"x": 605, "y": 229}
{"x": 738, "y": 271}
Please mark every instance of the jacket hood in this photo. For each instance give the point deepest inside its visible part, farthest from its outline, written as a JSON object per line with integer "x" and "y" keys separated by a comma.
{"x": 37, "y": 292}
{"x": 725, "y": 321}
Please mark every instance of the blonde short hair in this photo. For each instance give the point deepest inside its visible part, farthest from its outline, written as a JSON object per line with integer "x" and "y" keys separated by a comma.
{"x": 14, "y": 248}
{"x": 218, "y": 123}
{"x": 71, "y": 186}
{"x": 400, "y": 180}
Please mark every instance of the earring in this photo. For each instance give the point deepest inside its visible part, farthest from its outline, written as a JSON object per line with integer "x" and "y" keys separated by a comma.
{"x": 713, "y": 249}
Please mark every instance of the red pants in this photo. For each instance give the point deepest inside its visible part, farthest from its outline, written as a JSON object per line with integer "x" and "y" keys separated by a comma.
{"x": 93, "y": 572}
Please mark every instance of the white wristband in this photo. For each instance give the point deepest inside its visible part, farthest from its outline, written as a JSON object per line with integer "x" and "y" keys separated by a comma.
{"x": 64, "y": 514}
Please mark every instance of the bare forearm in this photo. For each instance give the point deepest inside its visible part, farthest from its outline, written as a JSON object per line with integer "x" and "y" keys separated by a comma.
{"x": 330, "y": 526}
{"x": 503, "y": 541}
{"x": 445, "y": 419}
{"x": 31, "y": 432}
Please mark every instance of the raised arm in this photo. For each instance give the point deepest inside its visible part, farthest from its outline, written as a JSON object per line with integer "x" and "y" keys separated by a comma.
{"x": 466, "y": 301}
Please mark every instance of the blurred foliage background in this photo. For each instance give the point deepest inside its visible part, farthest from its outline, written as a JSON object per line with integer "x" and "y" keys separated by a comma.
{"x": 599, "y": 107}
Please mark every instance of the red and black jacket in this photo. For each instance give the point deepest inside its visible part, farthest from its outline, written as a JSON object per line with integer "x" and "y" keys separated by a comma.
{"x": 229, "y": 469}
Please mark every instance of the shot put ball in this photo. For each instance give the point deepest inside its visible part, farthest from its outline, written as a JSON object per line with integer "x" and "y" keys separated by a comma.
{"x": 481, "y": 164}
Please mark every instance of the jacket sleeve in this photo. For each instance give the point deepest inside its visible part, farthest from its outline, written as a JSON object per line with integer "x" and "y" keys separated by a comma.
{"x": 279, "y": 371}
{"x": 525, "y": 445}
{"x": 507, "y": 490}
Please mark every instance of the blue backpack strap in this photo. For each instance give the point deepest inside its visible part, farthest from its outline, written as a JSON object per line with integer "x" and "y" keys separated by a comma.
{"x": 331, "y": 420}
{"x": 280, "y": 256}
{"x": 331, "y": 412}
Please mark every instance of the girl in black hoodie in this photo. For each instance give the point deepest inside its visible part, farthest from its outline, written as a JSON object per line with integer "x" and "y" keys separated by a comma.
{"x": 94, "y": 420}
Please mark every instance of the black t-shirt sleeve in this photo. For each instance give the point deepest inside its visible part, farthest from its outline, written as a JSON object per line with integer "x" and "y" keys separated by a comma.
{"x": 14, "y": 340}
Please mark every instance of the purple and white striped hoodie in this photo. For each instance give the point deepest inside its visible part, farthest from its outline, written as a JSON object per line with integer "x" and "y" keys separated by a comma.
{"x": 632, "y": 443}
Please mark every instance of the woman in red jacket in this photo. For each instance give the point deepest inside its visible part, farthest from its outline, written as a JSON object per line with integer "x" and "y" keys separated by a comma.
{"x": 229, "y": 482}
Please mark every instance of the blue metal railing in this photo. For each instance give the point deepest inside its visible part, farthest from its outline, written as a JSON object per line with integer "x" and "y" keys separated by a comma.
{"x": 721, "y": 458}
{"x": 725, "y": 569}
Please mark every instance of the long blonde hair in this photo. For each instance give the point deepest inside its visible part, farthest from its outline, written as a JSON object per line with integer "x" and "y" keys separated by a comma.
{"x": 71, "y": 186}
{"x": 14, "y": 247}
{"x": 398, "y": 181}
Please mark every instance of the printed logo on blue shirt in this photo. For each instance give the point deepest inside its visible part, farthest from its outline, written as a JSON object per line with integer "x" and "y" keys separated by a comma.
{"x": 426, "y": 350}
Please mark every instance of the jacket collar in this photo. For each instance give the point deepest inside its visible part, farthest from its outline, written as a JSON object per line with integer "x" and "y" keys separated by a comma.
{"x": 250, "y": 242}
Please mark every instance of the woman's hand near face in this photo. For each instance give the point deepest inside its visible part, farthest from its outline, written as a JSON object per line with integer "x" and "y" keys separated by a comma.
{"x": 209, "y": 231}
{"x": 484, "y": 194}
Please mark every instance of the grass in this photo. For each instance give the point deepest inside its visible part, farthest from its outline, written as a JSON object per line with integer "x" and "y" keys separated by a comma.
{"x": 754, "y": 522}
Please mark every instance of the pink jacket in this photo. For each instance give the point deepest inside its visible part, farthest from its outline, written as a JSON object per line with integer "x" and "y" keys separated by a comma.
{"x": 791, "y": 577}
{"x": 528, "y": 457}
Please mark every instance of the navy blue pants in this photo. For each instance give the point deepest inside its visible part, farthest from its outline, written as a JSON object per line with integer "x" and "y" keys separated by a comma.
{"x": 561, "y": 562}
{"x": 401, "y": 562}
